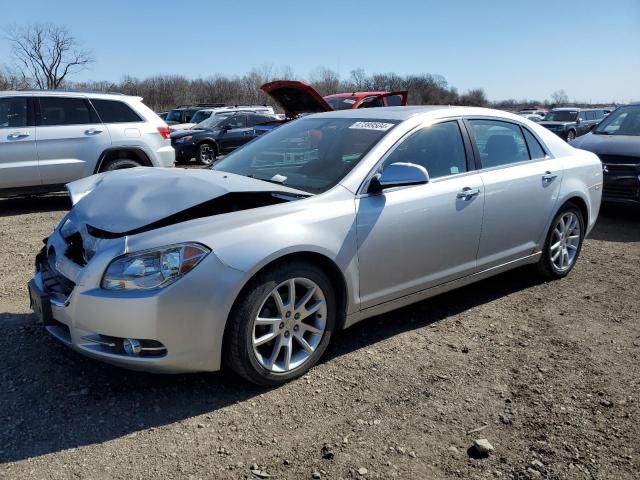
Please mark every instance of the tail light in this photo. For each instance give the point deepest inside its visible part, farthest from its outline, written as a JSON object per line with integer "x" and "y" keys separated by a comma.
{"x": 164, "y": 132}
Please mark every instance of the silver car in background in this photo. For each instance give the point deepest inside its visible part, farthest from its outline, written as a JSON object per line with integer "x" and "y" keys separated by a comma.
{"x": 327, "y": 220}
{"x": 50, "y": 138}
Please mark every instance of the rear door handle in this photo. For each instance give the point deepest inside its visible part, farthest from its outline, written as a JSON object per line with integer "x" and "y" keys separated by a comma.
{"x": 548, "y": 177}
{"x": 17, "y": 135}
{"x": 93, "y": 131}
{"x": 468, "y": 193}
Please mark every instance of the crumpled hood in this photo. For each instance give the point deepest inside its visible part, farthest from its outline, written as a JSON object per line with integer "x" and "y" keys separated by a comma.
{"x": 125, "y": 200}
{"x": 609, "y": 144}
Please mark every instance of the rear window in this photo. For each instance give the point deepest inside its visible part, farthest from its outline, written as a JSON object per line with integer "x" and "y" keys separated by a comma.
{"x": 394, "y": 100}
{"x": 111, "y": 111}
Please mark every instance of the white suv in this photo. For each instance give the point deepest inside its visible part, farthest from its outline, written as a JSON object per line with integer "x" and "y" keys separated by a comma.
{"x": 50, "y": 138}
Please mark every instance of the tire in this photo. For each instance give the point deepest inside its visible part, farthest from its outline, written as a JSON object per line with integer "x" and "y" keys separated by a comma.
{"x": 571, "y": 135}
{"x": 561, "y": 247}
{"x": 119, "y": 164}
{"x": 257, "y": 363}
{"x": 206, "y": 154}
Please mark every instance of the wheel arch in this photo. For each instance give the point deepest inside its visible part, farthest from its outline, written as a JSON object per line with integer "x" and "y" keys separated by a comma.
{"x": 579, "y": 202}
{"x": 123, "y": 152}
{"x": 328, "y": 266}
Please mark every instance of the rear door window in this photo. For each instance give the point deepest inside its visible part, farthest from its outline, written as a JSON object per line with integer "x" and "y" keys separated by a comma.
{"x": 111, "y": 111}
{"x": 499, "y": 143}
{"x": 65, "y": 111}
{"x": 14, "y": 112}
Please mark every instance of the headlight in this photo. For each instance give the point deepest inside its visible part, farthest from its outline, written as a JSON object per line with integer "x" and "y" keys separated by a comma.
{"x": 152, "y": 269}
{"x": 184, "y": 139}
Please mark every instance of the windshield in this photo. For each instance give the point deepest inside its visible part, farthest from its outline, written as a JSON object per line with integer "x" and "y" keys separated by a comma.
{"x": 308, "y": 154}
{"x": 340, "y": 103}
{"x": 200, "y": 115}
{"x": 624, "y": 121}
{"x": 213, "y": 121}
{"x": 561, "y": 116}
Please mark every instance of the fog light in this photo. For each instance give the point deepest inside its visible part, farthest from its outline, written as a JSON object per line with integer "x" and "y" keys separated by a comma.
{"x": 131, "y": 346}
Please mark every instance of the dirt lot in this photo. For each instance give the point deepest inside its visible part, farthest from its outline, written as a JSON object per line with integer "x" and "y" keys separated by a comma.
{"x": 550, "y": 370}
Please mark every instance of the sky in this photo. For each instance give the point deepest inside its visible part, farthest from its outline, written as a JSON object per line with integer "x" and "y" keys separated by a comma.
{"x": 510, "y": 48}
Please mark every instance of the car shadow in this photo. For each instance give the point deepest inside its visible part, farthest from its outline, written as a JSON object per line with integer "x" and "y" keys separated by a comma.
{"x": 617, "y": 224}
{"x": 430, "y": 311}
{"x": 52, "y": 202}
{"x": 54, "y": 399}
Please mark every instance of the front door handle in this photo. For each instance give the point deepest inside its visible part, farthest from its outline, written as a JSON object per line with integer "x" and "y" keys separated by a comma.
{"x": 548, "y": 177}
{"x": 18, "y": 135}
{"x": 468, "y": 193}
{"x": 93, "y": 131}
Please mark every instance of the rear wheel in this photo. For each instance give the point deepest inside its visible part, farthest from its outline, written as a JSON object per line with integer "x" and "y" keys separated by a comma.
{"x": 563, "y": 244}
{"x": 206, "y": 154}
{"x": 281, "y": 324}
{"x": 119, "y": 164}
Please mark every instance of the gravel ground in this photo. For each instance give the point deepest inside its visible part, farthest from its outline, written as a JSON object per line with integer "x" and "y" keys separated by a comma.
{"x": 548, "y": 373}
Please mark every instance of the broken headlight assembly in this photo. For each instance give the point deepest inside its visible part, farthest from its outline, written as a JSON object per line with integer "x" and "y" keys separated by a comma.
{"x": 152, "y": 269}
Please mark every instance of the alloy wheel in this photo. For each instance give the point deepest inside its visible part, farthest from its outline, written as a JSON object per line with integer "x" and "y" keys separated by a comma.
{"x": 565, "y": 240}
{"x": 290, "y": 325}
{"x": 207, "y": 154}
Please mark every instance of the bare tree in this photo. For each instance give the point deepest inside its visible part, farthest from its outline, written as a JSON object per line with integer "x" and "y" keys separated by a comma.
{"x": 47, "y": 54}
{"x": 559, "y": 98}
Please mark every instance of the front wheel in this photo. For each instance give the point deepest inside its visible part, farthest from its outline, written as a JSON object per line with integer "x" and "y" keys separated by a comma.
{"x": 206, "y": 154}
{"x": 571, "y": 135}
{"x": 281, "y": 325}
{"x": 563, "y": 243}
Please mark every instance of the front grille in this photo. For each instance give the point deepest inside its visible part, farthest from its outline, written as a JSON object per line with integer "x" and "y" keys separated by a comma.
{"x": 623, "y": 160}
{"x": 618, "y": 169}
{"x": 621, "y": 192}
{"x": 53, "y": 283}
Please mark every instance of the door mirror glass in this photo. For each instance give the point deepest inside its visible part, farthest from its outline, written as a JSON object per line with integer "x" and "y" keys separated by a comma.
{"x": 398, "y": 175}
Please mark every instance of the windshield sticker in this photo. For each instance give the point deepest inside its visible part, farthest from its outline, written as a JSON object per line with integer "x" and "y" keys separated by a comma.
{"x": 349, "y": 101}
{"x": 382, "y": 127}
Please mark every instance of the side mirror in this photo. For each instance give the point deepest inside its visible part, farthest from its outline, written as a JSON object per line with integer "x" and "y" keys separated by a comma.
{"x": 226, "y": 128}
{"x": 578, "y": 121}
{"x": 398, "y": 175}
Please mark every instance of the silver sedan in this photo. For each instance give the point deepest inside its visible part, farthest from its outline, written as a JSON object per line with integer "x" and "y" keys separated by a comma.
{"x": 327, "y": 220}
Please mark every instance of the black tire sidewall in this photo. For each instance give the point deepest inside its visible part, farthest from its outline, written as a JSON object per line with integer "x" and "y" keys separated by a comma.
{"x": 547, "y": 266}
{"x": 242, "y": 317}
{"x": 113, "y": 165}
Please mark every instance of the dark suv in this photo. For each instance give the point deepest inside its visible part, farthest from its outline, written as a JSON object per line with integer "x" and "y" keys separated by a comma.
{"x": 218, "y": 135}
{"x": 183, "y": 113}
{"x": 570, "y": 122}
{"x": 617, "y": 142}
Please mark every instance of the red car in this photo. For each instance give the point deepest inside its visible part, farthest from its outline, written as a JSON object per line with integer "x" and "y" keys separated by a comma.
{"x": 297, "y": 98}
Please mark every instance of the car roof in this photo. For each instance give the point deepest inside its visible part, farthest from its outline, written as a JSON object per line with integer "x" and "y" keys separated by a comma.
{"x": 576, "y": 109}
{"x": 67, "y": 93}
{"x": 406, "y": 112}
